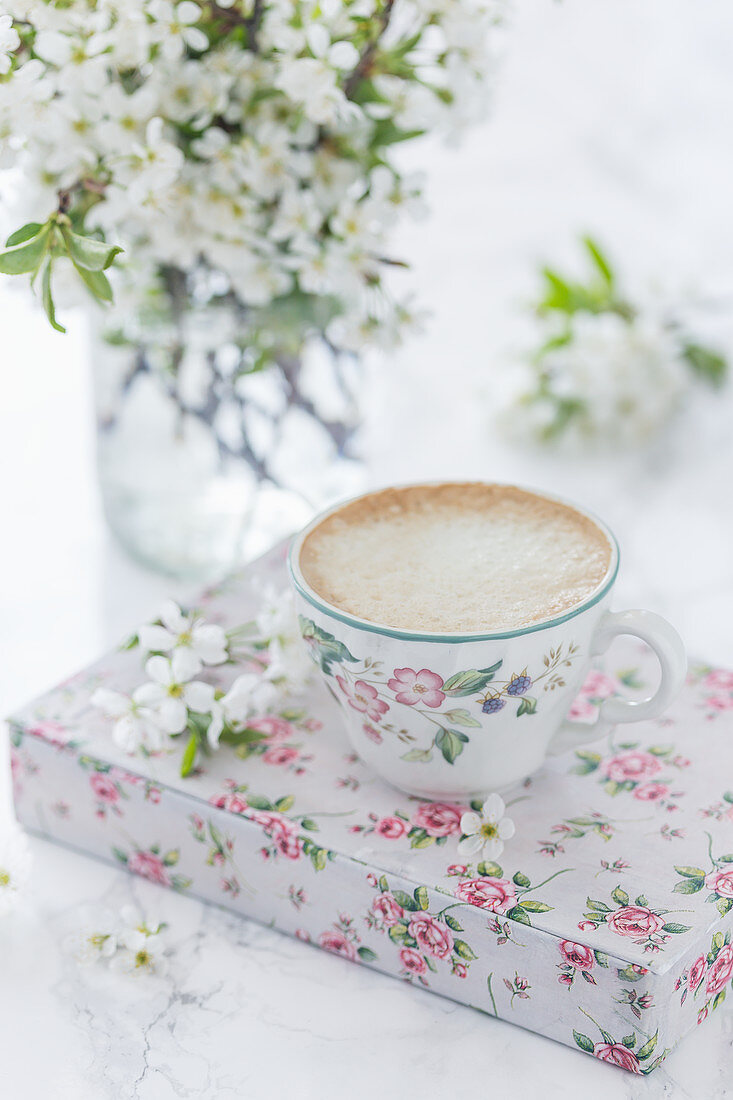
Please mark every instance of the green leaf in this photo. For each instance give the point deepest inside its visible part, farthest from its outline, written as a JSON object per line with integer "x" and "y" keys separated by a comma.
{"x": 326, "y": 647}
{"x": 471, "y": 681}
{"x": 366, "y": 954}
{"x": 528, "y": 705}
{"x": 97, "y": 282}
{"x": 493, "y": 870}
{"x": 171, "y": 858}
{"x": 724, "y": 905}
{"x": 648, "y": 1049}
{"x": 599, "y": 260}
{"x": 728, "y": 858}
{"x": 119, "y": 855}
{"x": 306, "y": 823}
{"x": 397, "y": 932}
{"x": 383, "y": 884}
{"x": 689, "y": 886}
{"x": 421, "y": 756}
{"x": 690, "y": 872}
{"x": 404, "y": 900}
{"x": 629, "y": 1041}
{"x": 452, "y": 922}
{"x": 450, "y": 743}
{"x": 461, "y": 948}
{"x": 675, "y": 928}
{"x": 189, "y": 756}
{"x": 257, "y": 802}
{"x": 709, "y": 365}
{"x": 319, "y": 858}
{"x": 47, "y": 297}
{"x": 461, "y": 718}
{"x": 599, "y": 906}
{"x": 285, "y": 803}
{"x": 26, "y": 257}
{"x": 89, "y": 253}
{"x": 583, "y": 1042}
{"x": 519, "y": 915}
{"x": 520, "y": 879}
{"x": 535, "y": 906}
{"x": 620, "y": 896}
{"x": 32, "y": 229}
{"x": 601, "y": 958}
{"x": 422, "y": 899}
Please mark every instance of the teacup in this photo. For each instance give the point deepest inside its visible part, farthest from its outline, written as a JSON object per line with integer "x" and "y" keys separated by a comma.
{"x": 498, "y": 701}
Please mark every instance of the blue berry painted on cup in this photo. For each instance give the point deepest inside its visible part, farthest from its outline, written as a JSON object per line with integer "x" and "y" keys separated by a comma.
{"x": 492, "y": 705}
{"x": 519, "y": 684}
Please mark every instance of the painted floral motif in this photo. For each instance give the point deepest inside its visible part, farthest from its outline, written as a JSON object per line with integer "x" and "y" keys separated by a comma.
{"x": 578, "y": 961}
{"x": 374, "y": 693}
{"x": 220, "y": 854}
{"x": 637, "y": 1003}
{"x": 638, "y": 771}
{"x": 343, "y": 939}
{"x": 718, "y": 881}
{"x": 491, "y": 891}
{"x": 431, "y": 823}
{"x": 277, "y": 741}
{"x": 287, "y": 837}
{"x": 721, "y": 810}
{"x": 425, "y": 940}
{"x": 519, "y": 987}
{"x": 149, "y": 863}
{"x": 635, "y": 921}
{"x": 576, "y": 828}
{"x": 627, "y": 1054}
{"x": 717, "y": 689}
{"x": 709, "y": 975}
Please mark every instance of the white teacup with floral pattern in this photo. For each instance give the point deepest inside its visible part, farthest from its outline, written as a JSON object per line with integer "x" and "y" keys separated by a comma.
{"x": 459, "y": 715}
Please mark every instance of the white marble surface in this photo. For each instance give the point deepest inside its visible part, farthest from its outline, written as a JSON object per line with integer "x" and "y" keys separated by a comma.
{"x": 610, "y": 116}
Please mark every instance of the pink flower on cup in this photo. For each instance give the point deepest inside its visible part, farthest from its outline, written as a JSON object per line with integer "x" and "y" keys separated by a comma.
{"x": 150, "y": 866}
{"x": 721, "y": 970}
{"x": 435, "y": 939}
{"x": 618, "y": 1055}
{"x": 721, "y": 883}
{"x": 633, "y": 765}
{"x": 439, "y": 818}
{"x": 372, "y": 733}
{"x": 697, "y": 972}
{"x": 338, "y": 944}
{"x": 388, "y": 909}
{"x": 577, "y": 955}
{"x": 280, "y": 754}
{"x": 634, "y": 921}
{"x": 719, "y": 678}
{"x": 273, "y": 727}
{"x": 651, "y": 792}
{"x": 391, "y": 828}
{"x": 104, "y": 788}
{"x": 412, "y": 687}
{"x": 495, "y": 894}
{"x": 412, "y": 960}
{"x": 364, "y": 698}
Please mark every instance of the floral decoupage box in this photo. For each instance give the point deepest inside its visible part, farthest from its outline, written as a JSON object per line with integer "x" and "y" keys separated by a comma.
{"x": 605, "y": 922}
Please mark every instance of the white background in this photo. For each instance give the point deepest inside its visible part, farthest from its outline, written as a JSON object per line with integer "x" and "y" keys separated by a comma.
{"x": 609, "y": 116}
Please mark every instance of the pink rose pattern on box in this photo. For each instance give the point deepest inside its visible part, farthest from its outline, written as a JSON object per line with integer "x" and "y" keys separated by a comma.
{"x": 272, "y": 855}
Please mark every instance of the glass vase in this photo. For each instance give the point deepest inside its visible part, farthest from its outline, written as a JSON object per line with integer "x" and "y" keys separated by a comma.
{"x": 211, "y": 442}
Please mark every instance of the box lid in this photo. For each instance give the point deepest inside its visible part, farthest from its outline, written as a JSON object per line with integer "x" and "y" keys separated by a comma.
{"x": 625, "y": 846}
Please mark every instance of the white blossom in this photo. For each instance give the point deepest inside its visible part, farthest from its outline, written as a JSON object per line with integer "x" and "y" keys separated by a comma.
{"x": 192, "y": 641}
{"x": 9, "y": 42}
{"x": 15, "y": 866}
{"x": 250, "y": 694}
{"x": 136, "y": 724}
{"x": 169, "y": 694}
{"x": 486, "y": 831}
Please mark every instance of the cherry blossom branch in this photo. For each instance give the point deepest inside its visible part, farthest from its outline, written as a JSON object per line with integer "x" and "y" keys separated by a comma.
{"x": 365, "y": 62}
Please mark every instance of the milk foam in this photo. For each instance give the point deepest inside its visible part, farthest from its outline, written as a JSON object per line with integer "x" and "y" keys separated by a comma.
{"x": 455, "y": 558}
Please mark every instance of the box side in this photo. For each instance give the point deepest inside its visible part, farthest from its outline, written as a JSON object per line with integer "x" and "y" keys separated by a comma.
{"x": 263, "y": 868}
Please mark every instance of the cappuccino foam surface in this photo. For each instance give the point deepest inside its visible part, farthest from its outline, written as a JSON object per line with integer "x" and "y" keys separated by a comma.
{"x": 455, "y": 558}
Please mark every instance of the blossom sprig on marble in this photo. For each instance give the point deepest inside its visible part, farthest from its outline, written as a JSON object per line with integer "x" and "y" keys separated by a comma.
{"x": 181, "y": 648}
{"x": 15, "y": 866}
{"x": 127, "y": 942}
{"x": 609, "y": 367}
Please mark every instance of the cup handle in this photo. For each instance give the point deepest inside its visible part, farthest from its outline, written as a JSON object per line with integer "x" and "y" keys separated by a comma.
{"x": 660, "y": 636}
